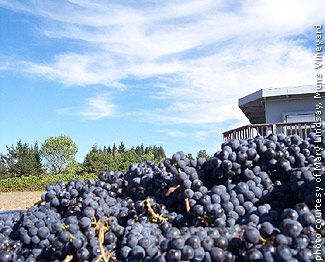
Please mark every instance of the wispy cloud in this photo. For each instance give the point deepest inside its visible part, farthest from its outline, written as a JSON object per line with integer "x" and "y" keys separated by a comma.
{"x": 97, "y": 107}
{"x": 204, "y": 54}
{"x": 76, "y": 69}
{"x": 200, "y": 136}
{"x": 175, "y": 133}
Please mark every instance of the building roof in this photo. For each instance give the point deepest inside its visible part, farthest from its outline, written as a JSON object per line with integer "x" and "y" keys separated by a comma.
{"x": 253, "y": 105}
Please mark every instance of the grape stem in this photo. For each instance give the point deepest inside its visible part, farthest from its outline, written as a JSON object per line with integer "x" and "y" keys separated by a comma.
{"x": 102, "y": 230}
{"x": 101, "y": 241}
{"x": 172, "y": 189}
{"x": 110, "y": 254}
{"x": 263, "y": 240}
{"x": 38, "y": 202}
{"x": 187, "y": 204}
{"x": 68, "y": 258}
{"x": 155, "y": 217}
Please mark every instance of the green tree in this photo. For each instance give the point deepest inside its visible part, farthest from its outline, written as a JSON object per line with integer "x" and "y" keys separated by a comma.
{"x": 120, "y": 159}
{"x": 158, "y": 153}
{"x": 22, "y": 160}
{"x": 73, "y": 168}
{"x": 35, "y": 160}
{"x": 142, "y": 149}
{"x": 203, "y": 153}
{"x": 148, "y": 156}
{"x": 109, "y": 150}
{"x": 58, "y": 152}
{"x": 99, "y": 160}
{"x": 148, "y": 149}
{"x": 108, "y": 161}
{"x": 125, "y": 159}
{"x": 139, "y": 150}
{"x": 37, "y": 154}
{"x": 3, "y": 171}
{"x": 162, "y": 153}
{"x": 189, "y": 156}
{"x": 94, "y": 161}
{"x": 114, "y": 150}
{"x": 121, "y": 148}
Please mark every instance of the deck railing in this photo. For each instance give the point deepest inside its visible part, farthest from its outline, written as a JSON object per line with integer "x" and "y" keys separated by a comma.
{"x": 250, "y": 131}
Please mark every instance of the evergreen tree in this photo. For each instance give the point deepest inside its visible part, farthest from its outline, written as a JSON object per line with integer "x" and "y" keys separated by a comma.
{"x": 121, "y": 148}
{"x": 155, "y": 151}
{"x": 22, "y": 160}
{"x": 94, "y": 161}
{"x": 120, "y": 159}
{"x": 162, "y": 153}
{"x": 3, "y": 171}
{"x": 158, "y": 153}
{"x": 108, "y": 161}
{"x": 10, "y": 160}
{"x": 114, "y": 149}
{"x": 141, "y": 149}
{"x": 138, "y": 151}
{"x": 109, "y": 150}
{"x": 37, "y": 152}
{"x": 125, "y": 159}
{"x": 36, "y": 160}
{"x": 148, "y": 149}
{"x": 148, "y": 156}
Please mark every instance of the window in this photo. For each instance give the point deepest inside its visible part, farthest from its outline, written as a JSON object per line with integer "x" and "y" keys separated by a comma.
{"x": 299, "y": 118}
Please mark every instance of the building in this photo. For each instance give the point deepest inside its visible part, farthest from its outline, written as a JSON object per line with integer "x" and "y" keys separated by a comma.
{"x": 288, "y": 110}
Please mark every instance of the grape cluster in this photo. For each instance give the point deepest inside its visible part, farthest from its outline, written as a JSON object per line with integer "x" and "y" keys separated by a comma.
{"x": 254, "y": 200}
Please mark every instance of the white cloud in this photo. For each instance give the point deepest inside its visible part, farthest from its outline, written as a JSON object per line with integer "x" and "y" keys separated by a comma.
{"x": 97, "y": 107}
{"x": 175, "y": 133}
{"x": 204, "y": 54}
{"x": 76, "y": 69}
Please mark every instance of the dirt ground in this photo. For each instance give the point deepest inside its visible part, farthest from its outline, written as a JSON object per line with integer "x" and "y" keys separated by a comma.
{"x": 18, "y": 200}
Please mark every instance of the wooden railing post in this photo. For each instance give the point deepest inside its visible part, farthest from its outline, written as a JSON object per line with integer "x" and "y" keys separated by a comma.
{"x": 274, "y": 128}
{"x": 300, "y": 128}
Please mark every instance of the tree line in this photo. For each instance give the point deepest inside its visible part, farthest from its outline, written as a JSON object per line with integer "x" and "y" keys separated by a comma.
{"x": 57, "y": 155}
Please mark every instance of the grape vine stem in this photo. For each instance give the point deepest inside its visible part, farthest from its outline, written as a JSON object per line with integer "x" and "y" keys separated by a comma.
{"x": 172, "y": 189}
{"x": 154, "y": 215}
{"x": 68, "y": 258}
{"x": 187, "y": 205}
{"x": 101, "y": 240}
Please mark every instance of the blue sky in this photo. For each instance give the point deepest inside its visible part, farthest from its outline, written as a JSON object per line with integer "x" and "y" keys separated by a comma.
{"x": 168, "y": 73}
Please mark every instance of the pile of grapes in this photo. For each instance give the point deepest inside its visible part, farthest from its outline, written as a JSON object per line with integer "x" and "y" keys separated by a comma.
{"x": 255, "y": 200}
